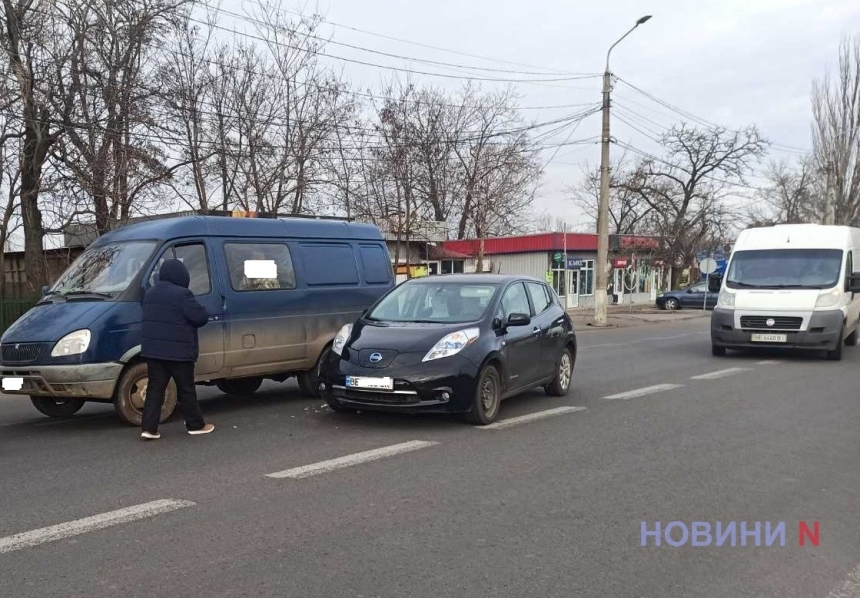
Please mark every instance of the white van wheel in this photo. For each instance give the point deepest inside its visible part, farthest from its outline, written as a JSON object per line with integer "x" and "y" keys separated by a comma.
{"x": 851, "y": 339}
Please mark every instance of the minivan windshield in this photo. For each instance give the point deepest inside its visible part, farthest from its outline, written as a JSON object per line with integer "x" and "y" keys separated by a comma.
{"x": 105, "y": 270}
{"x": 785, "y": 269}
{"x": 436, "y": 303}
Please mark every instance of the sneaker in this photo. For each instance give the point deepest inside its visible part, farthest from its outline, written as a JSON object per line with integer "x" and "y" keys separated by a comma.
{"x": 204, "y": 430}
{"x": 149, "y": 436}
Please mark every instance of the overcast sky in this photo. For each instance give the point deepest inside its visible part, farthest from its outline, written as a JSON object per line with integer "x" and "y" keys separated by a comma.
{"x": 730, "y": 62}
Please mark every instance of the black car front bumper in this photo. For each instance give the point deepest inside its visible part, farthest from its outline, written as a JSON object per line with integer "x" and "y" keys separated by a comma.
{"x": 821, "y": 332}
{"x": 444, "y": 385}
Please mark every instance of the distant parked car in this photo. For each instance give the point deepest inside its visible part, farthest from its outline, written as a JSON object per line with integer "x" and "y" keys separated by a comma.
{"x": 693, "y": 296}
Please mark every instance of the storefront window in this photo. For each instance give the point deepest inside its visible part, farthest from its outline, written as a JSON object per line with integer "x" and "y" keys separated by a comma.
{"x": 587, "y": 277}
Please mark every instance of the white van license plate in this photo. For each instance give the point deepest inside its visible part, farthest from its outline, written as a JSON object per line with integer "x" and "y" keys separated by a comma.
{"x": 769, "y": 338}
{"x": 370, "y": 383}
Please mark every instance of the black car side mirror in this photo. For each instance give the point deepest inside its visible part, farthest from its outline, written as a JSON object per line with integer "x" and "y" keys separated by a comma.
{"x": 854, "y": 283}
{"x": 519, "y": 320}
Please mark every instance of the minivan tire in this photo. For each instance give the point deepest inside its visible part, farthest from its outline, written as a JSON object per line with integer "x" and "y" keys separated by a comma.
{"x": 489, "y": 389}
{"x": 560, "y": 385}
{"x": 129, "y": 397}
{"x": 239, "y": 386}
{"x": 309, "y": 381}
{"x": 851, "y": 339}
{"x": 57, "y": 407}
{"x": 718, "y": 351}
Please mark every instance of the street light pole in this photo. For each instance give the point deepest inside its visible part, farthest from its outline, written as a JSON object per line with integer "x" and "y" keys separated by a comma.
{"x": 601, "y": 271}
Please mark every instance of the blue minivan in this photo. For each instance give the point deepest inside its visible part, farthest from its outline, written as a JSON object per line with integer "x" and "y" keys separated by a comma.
{"x": 277, "y": 291}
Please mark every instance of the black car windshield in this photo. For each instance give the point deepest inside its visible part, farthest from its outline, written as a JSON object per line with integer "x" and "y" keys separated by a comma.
{"x": 438, "y": 303}
{"x": 785, "y": 269}
{"x": 106, "y": 270}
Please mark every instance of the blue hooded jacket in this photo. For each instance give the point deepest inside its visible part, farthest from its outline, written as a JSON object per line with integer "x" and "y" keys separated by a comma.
{"x": 171, "y": 316}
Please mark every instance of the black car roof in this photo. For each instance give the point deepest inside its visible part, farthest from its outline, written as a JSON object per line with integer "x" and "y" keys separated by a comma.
{"x": 474, "y": 278}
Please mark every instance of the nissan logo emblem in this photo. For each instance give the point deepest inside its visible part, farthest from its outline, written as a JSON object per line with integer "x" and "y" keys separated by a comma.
{"x": 375, "y": 358}
{"x": 770, "y": 322}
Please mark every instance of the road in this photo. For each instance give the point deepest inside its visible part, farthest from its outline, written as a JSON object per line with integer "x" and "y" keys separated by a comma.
{"x": 551, "y": 506}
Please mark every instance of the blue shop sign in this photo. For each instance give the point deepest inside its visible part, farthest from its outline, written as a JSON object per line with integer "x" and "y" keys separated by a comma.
{"x": 574, "y": 263}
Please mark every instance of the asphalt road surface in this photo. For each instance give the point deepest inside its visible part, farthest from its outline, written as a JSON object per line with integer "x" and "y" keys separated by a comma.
{"x": 287, "y": 498}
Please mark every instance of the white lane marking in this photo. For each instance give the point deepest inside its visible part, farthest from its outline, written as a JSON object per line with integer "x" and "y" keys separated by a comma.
{"x": 641, "y": 392}
{"x": 719, "y": 374}
{"x": 350, "y": 460}
{"x": 850, "y": 588}
{"x": 514, "y": 421}
{"x": 89, "y": 524}
{"x": 768, "y": 362}
{"x": 642, "y": 340}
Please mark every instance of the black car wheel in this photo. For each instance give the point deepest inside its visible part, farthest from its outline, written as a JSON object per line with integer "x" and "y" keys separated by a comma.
{"x": 488, "y": 398}
{"x": 563, "y": 374}
{"x": 672, "y": 304}
{"x": 56, "y": 407}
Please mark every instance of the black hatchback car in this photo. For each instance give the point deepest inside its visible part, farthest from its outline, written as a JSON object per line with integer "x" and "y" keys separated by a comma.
{"x": 457, "y": 343}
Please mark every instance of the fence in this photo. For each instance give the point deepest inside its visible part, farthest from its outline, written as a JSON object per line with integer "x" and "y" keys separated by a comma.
{"x": 12, "y": 309}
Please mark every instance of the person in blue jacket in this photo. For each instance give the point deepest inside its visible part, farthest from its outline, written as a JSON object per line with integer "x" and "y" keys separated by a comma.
{"x": 171, "y": 317}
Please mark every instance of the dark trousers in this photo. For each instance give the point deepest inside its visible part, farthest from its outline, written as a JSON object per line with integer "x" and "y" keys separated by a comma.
{"x": 160, "y": 373}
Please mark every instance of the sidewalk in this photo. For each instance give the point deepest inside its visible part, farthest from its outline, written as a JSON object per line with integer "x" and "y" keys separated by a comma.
{"x": 622, "y": 316}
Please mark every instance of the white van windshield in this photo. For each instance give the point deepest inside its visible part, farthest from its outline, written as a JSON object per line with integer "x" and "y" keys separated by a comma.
{"x": 104, "y": 270}
{"x": 785, "y": 269}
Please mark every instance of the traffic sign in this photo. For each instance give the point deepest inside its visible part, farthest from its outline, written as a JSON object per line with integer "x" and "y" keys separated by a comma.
{"x": 707, "y": 266}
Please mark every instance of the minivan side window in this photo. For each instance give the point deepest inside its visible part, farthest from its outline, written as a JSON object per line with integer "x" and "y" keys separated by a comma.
{"x": 193, "y": 256}
{"x": 377, "y": 268}
{"x": 329, "y": 264}
{"x": 259, "y": 266}
{"x": 539, "y": 297}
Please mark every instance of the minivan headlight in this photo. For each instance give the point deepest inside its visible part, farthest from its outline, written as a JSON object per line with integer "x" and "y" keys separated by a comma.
{"x": 73, "y": 343}
{"x": 829, "y": 298}
{"x": 341, "y": 339}
{"x": 452, "y": 344}
{"x": 726, "y": 299}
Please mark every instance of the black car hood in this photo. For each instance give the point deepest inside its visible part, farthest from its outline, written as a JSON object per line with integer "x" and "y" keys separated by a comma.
{"x": 401, "y": 337}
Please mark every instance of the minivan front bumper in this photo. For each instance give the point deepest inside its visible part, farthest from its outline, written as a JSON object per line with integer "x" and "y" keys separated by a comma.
{"x": 822, "y": 332}
{"x": 78, "y": 381}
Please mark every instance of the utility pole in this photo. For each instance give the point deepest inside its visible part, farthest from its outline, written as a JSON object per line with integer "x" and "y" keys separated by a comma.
{"x": 601, "y": 267}
{"x": 566, "y": 274}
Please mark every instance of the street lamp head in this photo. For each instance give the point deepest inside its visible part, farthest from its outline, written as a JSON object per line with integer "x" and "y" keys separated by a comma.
{"x": 643, "y": 19}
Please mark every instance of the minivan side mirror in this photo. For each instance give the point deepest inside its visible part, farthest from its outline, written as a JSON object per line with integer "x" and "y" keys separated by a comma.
{"x": 714, "y": 284}
{"x": 854, "y": 283}
{"x": 519, "y": 320}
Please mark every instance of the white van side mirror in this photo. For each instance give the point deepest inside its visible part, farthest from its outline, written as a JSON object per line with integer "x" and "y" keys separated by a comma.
{"x": 854, "y": 283}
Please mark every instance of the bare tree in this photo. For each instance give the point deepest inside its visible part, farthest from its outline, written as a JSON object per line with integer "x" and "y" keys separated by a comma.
{"x": 686, "y": 191}
{"x": 28, "y": 28}
{"x": 836, "y": 133}
{"x": 628, "y": 212}
{"x": 791, "y": 196}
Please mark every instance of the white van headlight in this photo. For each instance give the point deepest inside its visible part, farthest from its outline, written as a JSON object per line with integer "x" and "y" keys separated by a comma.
{"x": 726, "y": 299}
{"x": 73, "y": 343}
{"x": 829, "y": 298}
{"x": 452, "y": 344}
{"x": 341, "y": 339}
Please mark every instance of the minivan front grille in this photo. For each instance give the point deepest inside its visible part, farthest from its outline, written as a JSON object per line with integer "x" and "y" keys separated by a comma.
{"x": 20, "y": 352}
{"x": 779, "y": 322}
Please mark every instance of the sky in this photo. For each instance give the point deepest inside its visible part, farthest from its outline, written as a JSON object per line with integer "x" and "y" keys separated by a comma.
{"x": 732, "y": 62}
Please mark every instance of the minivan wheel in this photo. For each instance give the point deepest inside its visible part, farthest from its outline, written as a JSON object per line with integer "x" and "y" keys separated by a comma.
{"x": 239, "y": 386}
{"x": 488, "y": 398}
{"x": 563, "y": 374}
{"x": 718, "y": 351}
{"x": 851, "y": 339}
{"x": 130, "y": 395}
{"x": 309, "y": 382}
{"x": 57, "y": 407}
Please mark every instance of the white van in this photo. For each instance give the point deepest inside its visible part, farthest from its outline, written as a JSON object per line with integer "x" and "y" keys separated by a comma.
{"x": 792, "y": 286}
